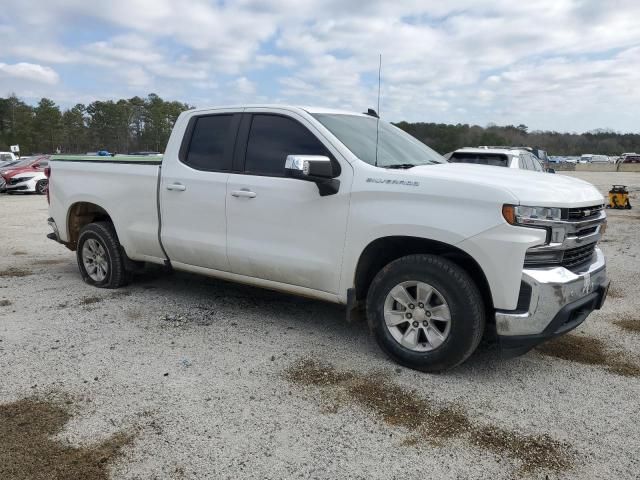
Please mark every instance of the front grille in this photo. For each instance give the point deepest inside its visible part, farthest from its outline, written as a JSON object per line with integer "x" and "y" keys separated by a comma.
{"x": 586, "y": 231}
{"x": 578, "y": 255}
{"x": 584, "y": 213}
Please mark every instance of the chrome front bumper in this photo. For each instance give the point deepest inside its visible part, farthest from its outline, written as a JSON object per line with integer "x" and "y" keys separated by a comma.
{"x": 560, "y": 300}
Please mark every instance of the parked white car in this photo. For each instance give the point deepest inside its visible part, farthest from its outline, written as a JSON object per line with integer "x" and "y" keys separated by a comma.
{"x": 498, "y": 157}
{"x": 307, "y": 201}
{"x": 32, "y": 182}
{"x": 7, "y": 157}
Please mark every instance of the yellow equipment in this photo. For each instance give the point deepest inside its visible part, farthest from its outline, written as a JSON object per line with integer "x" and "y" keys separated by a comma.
{"x": 619, "y": 197}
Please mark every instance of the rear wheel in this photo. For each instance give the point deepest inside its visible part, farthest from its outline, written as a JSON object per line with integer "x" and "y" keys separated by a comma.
{"x": 425, "y": 312}
{"x": 100, "y": 257}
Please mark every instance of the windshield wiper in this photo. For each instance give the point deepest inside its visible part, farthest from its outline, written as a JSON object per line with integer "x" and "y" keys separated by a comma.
{"x": 401, "y": 166}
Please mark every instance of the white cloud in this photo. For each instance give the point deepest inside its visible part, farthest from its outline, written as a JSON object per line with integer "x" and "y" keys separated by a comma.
{"x": 244, "y": 86}
{"x": 29, "y": 71}
{"x": 560, "y": 64}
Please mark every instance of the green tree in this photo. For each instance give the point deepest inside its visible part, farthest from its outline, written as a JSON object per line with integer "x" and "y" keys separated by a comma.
{"x": 48, "y": 126}
{"x": 74, "y": 127}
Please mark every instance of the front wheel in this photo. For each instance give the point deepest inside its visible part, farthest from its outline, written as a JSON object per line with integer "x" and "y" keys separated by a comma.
{"x": 100, "y": 258}
{"x": 425, "y": 312}
{"x": 41, "y": 187}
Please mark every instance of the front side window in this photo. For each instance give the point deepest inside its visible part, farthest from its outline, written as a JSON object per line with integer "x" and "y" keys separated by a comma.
{"x": 272, "y": 138}
{"x": 208, "y": 149}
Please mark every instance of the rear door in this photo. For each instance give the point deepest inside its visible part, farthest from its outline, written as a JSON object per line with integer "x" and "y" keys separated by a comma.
{"x": 280, "y": 228}
{"x": 193, "y": 192}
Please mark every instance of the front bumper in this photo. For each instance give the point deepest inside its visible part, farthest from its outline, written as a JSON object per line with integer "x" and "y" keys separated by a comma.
{"x": 560, "y": 301}
{"x": 25, "y": 186}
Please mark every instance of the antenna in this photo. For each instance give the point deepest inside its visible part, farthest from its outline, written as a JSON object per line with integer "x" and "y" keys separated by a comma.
{"x": 378, "y": 112}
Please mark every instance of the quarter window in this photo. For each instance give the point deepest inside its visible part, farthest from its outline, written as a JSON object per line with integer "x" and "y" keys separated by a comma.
{"x": 272, "y": 138}
{"x": 209, "y": 146}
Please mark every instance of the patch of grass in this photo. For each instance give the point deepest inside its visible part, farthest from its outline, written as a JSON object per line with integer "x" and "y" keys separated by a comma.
{"x": 5, "y": 303}
{"x": 628, "y": 324}
{"x": 29, "y": 451}
{"x": 309, "y": 372}
{"x": 589, "y": 351}
{"x": 15, "y": 272}
{"x": 49, "y": 261}
{"x": 90, "y": 300}
{"x": 430, "y": 422}
{"x": 535, "y": 452}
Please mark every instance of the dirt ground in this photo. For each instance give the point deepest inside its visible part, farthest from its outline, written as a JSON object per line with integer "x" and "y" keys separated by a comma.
{"x": 184, "y": 377}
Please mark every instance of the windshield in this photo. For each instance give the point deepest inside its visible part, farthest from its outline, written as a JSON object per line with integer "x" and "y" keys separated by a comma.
{"x": 25, "y": 162}
{"x": 395, "y": 147}
{"x": 495, "y": 159}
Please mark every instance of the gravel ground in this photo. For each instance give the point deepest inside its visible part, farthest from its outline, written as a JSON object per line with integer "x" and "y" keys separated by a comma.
{"x": 216, "y": 380}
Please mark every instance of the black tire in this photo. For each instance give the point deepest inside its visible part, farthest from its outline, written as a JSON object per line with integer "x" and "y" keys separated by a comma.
{"x": 461, "y": 294}
{"x": 41, "y": 187}
{"x": 104, "y": 233}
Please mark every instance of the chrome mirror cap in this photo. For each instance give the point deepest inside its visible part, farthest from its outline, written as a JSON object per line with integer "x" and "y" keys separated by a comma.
{"x": 302, "y": 163}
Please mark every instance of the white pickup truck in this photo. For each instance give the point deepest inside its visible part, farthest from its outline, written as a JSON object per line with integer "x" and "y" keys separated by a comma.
{"x": 345, "y": 208}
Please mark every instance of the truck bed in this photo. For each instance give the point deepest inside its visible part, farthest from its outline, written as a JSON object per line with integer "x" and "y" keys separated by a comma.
{"x": 126, "y": 186}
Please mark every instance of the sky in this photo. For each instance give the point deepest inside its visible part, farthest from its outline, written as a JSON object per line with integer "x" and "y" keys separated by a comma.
{"x": 565, "y": 65}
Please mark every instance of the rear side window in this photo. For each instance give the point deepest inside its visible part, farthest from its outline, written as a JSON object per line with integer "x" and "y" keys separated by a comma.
{"x": 494, "y": 159}
{"x": 272, "y": 138}
{"x": 209, "y": 148}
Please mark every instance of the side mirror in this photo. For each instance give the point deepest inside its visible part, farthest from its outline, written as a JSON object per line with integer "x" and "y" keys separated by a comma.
{"x": 313, "y": 168}
{"x": 309, "y": 166}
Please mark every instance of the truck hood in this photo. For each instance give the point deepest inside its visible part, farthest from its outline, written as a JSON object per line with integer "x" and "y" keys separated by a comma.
{"x": 17, "y": 171}
{"x": 530, "y": 188}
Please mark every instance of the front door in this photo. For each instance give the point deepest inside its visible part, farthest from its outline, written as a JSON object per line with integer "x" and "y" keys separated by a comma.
{"x": 280, "y": 228}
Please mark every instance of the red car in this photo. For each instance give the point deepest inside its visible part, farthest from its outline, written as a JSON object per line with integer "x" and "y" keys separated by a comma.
{"x": 24, "y": 177}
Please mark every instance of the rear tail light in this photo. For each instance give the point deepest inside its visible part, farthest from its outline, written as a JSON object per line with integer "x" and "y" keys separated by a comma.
{"x": 47, "y": 173}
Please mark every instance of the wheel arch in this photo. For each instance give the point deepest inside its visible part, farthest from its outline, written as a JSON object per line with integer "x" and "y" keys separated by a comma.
{"x": 383, "y": 250}
{"x": 80, "y": 214}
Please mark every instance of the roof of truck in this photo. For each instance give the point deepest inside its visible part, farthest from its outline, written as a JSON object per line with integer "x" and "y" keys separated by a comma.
{"x": 306, "y": 108}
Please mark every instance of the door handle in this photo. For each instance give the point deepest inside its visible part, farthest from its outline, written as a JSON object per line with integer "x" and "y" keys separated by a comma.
{"x": 243, "y": 194}
{"x": 176, "y": 186}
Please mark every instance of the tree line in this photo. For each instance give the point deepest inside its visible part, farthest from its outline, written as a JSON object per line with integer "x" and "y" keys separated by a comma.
{"x": 123, "y": 126}
{"x": 144, "y": 124}
{"x": 445, "y": 138}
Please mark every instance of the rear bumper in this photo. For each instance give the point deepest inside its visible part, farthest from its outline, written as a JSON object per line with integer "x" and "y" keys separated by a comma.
{"x": 560, "y": 301}
{"x": 55, "y": 235}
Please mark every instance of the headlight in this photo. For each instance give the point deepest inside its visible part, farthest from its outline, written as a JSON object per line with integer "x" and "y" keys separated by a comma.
{"x": 22, "y": 179}
{"x": 524, "y": 215}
